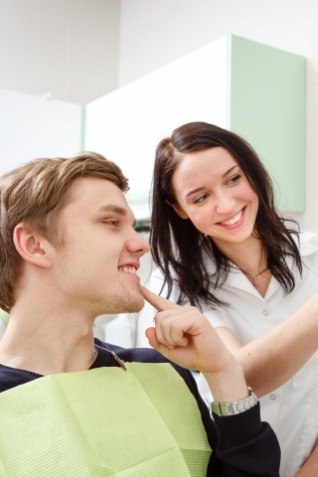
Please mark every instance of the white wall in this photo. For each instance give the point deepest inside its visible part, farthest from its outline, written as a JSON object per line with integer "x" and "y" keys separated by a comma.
{"x": 32, "y": 126}
{"x": 66, "y": 47}
{"x": 71, "y": 47}
{"x": 126, "y": 124}
{"x": 153, "y": 33}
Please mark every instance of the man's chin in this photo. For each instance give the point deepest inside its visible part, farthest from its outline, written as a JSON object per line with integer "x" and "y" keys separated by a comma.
{"x": 131, "y": 303}
{"x": 136, "y": 304}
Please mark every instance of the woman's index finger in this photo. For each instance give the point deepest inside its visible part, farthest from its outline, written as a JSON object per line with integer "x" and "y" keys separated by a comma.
{"x": 157, "y": 301}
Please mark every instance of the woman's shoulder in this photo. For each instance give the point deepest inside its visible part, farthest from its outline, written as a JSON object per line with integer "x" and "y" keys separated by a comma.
{"x": 158, "y": 285}
{"x": 308, "y": 250}
{"x": 308, "y": 244}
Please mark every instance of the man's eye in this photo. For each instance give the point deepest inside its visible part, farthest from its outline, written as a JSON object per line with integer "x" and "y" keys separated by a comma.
{"x": 113, "y": 222}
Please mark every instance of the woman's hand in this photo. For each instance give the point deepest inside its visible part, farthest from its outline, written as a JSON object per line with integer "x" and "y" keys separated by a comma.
{"x": 184, "y": 336}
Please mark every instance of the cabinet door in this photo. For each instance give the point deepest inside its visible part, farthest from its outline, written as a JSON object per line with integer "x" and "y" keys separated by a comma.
{"x": 32, "y": 127}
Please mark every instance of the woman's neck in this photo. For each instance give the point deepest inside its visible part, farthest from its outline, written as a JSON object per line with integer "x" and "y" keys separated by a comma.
{"x": 251, "y": 258}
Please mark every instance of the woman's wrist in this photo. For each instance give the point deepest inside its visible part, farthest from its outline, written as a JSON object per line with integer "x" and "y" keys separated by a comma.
{"x": 228, "y": 384}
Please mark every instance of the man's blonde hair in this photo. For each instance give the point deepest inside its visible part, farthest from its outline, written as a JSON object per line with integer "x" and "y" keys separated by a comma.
{"x": 34, "y": 194}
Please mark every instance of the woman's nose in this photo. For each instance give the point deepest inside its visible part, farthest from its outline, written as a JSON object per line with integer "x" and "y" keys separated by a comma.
{"x": 224, "y": 204}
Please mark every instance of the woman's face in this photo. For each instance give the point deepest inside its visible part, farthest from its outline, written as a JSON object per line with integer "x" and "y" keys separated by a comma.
{"x": 212, "y": 191}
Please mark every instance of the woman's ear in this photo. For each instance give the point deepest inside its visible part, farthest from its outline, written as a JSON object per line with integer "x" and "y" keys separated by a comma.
{"x": 178, "y": 210}
{"x": 31, "y": 246}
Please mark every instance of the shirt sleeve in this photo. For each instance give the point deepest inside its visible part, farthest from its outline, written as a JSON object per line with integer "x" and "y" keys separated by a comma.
{"x": 214, "y": 318}
{"x": 309, "y": 251}
{"x": 242, "y": 445}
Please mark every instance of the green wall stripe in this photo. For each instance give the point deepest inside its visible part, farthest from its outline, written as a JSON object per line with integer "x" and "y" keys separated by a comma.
{"x": 268, "y": 108}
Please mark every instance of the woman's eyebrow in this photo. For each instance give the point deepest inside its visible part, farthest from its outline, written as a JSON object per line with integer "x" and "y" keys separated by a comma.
{"x": 230, "y": 170}
{"x": 194, "y": 191}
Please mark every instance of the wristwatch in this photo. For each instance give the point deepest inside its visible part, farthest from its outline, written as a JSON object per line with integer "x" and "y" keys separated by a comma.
{"x": 235, "y": 407}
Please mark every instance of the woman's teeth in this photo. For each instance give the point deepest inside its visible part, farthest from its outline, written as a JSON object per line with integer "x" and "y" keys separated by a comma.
{"x": 234, "y": 219}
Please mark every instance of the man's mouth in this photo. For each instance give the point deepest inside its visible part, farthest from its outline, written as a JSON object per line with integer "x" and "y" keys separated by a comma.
{"x": 128, "y": 269}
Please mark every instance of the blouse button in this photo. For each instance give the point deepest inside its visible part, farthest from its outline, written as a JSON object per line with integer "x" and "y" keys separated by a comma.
{"x": 273, "y": 397}
{"x": 265, "y": 312}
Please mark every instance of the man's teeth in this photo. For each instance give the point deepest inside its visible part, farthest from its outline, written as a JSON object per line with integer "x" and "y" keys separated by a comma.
{"x": 234, "y": 219}
{"x": 127, "y": 269}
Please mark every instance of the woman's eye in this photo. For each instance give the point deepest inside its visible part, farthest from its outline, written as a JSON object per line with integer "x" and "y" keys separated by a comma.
{"x": 200, "y": 199}
{"x": 234, "y": 179}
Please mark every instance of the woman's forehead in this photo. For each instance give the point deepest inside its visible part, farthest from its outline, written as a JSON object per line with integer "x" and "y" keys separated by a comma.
{"x": 214, "y": 162}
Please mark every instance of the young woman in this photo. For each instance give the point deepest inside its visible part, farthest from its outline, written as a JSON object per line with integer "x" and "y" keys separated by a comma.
{"x": 220, "y": 244}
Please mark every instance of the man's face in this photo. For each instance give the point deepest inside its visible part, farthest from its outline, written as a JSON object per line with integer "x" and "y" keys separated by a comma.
{"x": 95, "y": 267}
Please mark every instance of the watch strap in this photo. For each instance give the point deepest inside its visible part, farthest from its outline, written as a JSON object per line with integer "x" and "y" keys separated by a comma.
{"x": 235, "y": 407}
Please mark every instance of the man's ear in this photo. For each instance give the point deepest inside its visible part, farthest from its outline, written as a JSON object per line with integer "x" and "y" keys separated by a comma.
{"x": 31, "y": 246}
{"x": 178, "y": 210}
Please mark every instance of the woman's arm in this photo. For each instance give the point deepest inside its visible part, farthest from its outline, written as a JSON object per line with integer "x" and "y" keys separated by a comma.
{"x": 245, "y": 447}
{"x": 271, "y": 360}
{"x": 310, "y": 467}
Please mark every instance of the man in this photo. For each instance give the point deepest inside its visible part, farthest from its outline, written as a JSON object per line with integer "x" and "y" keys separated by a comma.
{"x": 69, "y": 252}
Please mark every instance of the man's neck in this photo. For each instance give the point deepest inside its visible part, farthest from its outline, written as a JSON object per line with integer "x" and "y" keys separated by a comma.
{"x": 47, "y": 340}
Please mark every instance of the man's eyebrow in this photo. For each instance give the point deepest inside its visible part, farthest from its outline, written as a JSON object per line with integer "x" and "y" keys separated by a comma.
{"x": 191, "y": 192}
{"x": 116, "y": 209}
{"x": 113, "y": 208}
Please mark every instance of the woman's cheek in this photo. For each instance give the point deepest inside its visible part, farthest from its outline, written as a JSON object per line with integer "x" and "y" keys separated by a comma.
{"x": 201, "y": 220}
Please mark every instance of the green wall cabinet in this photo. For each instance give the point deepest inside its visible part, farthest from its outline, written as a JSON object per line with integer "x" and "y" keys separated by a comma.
{"x": 255, "y": 90}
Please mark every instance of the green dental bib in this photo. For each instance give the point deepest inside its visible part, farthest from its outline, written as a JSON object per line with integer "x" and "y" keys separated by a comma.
{"x": 104, "y": 422}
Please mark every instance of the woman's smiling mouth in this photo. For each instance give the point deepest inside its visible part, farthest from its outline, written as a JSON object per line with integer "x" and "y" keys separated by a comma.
{"x": 235, "y": 221}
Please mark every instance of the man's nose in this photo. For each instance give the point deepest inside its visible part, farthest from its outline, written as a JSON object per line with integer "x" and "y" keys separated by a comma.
{"x": 137, "y": 244}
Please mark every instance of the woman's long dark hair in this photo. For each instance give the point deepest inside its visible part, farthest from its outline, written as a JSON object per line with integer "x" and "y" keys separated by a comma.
{"x": 178, "y": 245}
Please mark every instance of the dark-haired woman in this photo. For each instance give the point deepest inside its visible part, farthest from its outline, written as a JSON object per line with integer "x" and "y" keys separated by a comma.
{"x": 220, "y": 244}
